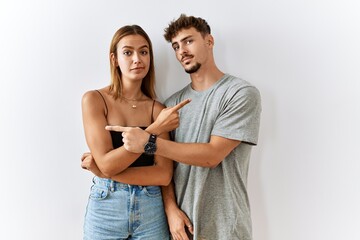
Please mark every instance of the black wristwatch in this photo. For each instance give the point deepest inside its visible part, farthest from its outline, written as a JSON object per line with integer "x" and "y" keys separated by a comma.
{"x": 150, "y": 146}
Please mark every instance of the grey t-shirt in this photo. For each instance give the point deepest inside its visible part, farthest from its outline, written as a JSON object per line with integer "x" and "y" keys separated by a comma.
{"x": 216, "y": 199}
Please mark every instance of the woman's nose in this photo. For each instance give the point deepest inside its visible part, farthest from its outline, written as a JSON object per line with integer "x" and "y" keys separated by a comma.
{"x": 136, "y": 58}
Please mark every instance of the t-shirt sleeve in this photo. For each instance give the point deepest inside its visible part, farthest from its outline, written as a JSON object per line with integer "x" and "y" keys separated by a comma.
{"x": 239, "y": 116}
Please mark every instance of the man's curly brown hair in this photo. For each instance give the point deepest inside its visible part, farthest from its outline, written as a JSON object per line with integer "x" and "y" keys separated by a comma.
{"x": 186, "y": 22}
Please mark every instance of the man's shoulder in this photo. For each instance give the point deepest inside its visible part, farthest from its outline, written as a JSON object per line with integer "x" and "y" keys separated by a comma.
{"x": 236, "y": 84}
{"x": 231, "y": 80}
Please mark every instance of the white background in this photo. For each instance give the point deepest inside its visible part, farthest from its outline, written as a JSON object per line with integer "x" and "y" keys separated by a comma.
{"x": 302, "y": 55}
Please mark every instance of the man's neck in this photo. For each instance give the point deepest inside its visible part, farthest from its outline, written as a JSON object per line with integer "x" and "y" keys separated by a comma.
{"x": 205, "y": 78}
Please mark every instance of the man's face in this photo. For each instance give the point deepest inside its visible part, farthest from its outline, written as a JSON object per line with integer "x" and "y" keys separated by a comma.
{"x": 191, "y": 49}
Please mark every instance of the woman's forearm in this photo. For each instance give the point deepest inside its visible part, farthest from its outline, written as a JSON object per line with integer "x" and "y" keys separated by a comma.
{"x": 115, "y": 161}
{"x": 145, "y": 176}
{"x": 169, "y": 199}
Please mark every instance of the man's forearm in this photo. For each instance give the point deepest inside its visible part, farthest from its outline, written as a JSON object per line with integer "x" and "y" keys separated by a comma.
{"x": 197, "y": 154}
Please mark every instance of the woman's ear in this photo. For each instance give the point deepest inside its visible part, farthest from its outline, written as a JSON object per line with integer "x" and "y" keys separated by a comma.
{"x": 113, "y": 60}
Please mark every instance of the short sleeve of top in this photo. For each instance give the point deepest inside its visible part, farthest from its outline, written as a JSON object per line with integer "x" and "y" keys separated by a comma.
{"x": 239, "y": 113}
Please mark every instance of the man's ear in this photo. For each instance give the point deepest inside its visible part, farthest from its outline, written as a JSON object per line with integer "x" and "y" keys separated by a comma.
{"x": 209, "y": 40}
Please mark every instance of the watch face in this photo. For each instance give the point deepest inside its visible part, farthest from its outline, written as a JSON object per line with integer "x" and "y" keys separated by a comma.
{"x": 150, "y": 148}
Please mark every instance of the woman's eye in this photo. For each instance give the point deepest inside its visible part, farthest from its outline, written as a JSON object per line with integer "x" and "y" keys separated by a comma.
{"x": 127, "y": 53}
{"x": 144, "y": 52}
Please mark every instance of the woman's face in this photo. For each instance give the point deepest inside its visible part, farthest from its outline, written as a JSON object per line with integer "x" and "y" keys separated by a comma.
{"x": 133, "y": 57}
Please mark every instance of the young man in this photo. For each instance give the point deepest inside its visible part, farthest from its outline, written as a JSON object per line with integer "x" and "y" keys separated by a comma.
{"x": 212, "y": 143}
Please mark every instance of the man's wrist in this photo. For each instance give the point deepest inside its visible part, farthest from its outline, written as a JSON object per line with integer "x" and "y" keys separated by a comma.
{"x": 150, "y": 147}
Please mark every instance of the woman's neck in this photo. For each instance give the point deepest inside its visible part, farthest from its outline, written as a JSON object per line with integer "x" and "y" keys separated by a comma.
{"x": 132, "y": 90}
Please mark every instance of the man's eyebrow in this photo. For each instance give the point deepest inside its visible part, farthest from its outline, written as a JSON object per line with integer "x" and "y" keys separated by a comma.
{"x": 182, "y": 40}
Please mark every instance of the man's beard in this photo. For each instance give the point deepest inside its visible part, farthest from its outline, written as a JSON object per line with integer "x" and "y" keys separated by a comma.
{"x": 193, "y": 69}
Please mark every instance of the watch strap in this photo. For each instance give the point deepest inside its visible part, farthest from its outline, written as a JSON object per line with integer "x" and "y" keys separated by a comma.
{"x": 152, "y": 138}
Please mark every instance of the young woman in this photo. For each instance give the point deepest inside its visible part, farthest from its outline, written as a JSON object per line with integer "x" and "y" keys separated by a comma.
{"x": 125, "y": 200}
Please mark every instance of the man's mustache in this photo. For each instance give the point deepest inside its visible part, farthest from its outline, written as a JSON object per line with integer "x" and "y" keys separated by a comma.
{"x": 185, "y": 56}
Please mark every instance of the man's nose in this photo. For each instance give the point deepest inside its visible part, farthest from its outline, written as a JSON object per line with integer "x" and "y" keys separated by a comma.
{"x": 183, "y": 50}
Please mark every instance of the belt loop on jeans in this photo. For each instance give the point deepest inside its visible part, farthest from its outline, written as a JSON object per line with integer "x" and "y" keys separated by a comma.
{"x": 112, "y": 186}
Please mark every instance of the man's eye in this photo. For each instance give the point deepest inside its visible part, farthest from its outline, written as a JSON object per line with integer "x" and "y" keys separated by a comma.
{"x": 189, "y": 41}
{"x": 176, "y": 48}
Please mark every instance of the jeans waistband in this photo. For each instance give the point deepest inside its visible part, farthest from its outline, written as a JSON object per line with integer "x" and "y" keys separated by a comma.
{"x": 114, "y": 185}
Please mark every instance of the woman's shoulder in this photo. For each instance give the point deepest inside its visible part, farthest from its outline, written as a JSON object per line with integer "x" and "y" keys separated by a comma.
{"x": 90, "y": 97}
{"x": 158, "y": 106}
{"x": 94, "y": 96}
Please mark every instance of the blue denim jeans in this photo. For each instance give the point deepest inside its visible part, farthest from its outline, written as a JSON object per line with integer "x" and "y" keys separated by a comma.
{"x": 121, "y": 211}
